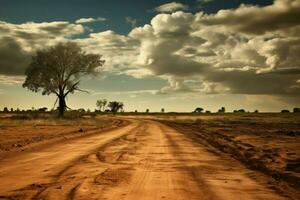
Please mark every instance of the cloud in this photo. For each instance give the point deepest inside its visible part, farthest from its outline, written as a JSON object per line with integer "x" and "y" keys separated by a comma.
{"x": 11, "y": 80}
{"x": 13, "y": 59}
{"x": 201, "y": 3}
{"x": 171, "y": 7}
{"x": 90, "y": 20}
{"x": 282, "y": 15}
{"x": 225, "y": 52}
{"x": 32, "y": 36}
{"x": 224, "y": 58}
{"x": 119, "y": 51}
{"x": 18, "y": 42}
{"x": 129, "y": 92}
{"x": 131, "y": 21}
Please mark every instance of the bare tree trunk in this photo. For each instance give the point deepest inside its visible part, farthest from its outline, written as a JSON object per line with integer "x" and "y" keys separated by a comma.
{"x": 62, "y": 105}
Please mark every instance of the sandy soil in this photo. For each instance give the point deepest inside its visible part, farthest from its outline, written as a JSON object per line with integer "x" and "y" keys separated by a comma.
{"x": 143, "y": 160}
{"x": 20, "y": 135}
{"x": 269, "y": 144}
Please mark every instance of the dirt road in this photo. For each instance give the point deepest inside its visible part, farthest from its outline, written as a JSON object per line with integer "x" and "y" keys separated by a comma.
{"x": 144, "y": 160}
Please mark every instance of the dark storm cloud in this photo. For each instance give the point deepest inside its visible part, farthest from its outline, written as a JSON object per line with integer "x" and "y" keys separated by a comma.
{"x": 13, "y": 60}
{"x": 249, "y": 82}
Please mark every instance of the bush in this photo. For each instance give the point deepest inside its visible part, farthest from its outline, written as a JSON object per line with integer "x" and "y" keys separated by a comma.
{"x": 285, "y": 111}
{"x": 239, "y": 111}
{"x": 222, "y": 110}
{"x": 198, "y": 110}
{"x": 296, "y": 110}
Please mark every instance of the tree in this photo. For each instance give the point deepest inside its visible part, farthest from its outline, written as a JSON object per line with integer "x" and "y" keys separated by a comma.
{"x": 147, "y": 110}
{"x": 115, "y": 106}
{"x": 101, "y": 104}
{"x": 162, "y": 110}
{"x": 198, "y": 110}
{"x": 256, "y": 111}
{"x": 222, "y": 110}
{"x": 5, "y": 109}
{"x": 239, "y": 111}
{"x": 58, "y": 69}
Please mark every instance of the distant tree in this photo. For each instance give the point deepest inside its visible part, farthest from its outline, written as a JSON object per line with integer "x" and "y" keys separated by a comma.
{"x": 11, "y": 110}
{"x": 88, "y": 110}
{"x": 58, "y": 69}
{"x": 162, "y": 110}
{"x": 296, "y": 110}
{"x": 115, "y": 106}
{"x": 101, "y": 104}
{"x": 5, "y": 109}
{"x": 239, "y": 111}
{"x": 198, "y": 110}
{"x": 222, "y": 110}
{"x": 135, "y": 111}
{"x": 18, "y": 110}
{"x": 207, "y": 111}
{"x": 285, "y": 111}
{"x": 256, "y": 111}
{"x": 81, "y": 110}
{"x": 147, "y": 110}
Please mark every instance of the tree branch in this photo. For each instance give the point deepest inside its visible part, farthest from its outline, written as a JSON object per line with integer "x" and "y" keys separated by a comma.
{"x": 73, "y": 87}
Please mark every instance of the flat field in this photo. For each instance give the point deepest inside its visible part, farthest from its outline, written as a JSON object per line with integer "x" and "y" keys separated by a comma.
{"x": 168, "y": 156}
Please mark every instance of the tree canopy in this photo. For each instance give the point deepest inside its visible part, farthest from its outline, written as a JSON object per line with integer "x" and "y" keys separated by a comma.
{"x": 115, "y": 106}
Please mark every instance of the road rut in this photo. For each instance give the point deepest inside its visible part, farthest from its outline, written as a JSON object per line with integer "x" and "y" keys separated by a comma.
{"x": 144, "y": 160}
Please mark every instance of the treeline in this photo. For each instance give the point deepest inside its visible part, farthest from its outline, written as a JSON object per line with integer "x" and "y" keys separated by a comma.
{"x": 103, "y": 106}
{"x": 223, "y": 110}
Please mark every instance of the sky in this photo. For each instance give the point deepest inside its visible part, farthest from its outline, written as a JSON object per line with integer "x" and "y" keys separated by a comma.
{"x": 176, "y": 55}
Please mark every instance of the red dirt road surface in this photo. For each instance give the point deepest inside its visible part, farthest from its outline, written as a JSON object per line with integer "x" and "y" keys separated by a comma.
{"x": 143, "y": 160}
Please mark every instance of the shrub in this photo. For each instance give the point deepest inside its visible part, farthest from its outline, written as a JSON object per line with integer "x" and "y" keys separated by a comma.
{"x": 285, "y": 111}
{"x": 198, "y": 110}
{"x": 296, "y": 110}
{"x": 222, "y": 110}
